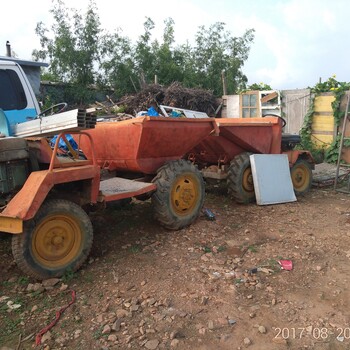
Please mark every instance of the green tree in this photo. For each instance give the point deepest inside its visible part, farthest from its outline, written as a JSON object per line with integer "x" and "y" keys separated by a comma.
{"x": 74, "y": 50}
{"x": 144, "y": 53}
{"x": 169, "y": 60}
{"x": 216, "y": 51}
{"x": 259, "y": 86}
{"x": 118, "y": 65}
{"x": 81, "y": 53}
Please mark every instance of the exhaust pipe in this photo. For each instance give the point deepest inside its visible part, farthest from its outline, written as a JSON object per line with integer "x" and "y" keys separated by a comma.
{"x": 8, "y": 49}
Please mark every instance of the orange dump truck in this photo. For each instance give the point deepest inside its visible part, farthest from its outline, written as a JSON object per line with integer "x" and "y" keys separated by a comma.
{"x": 147, "y": 157}
{"x": 44, "y": 191}
{"x": 220, "y": 148}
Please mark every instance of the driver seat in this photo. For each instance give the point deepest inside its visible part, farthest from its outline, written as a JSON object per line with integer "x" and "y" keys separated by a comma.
{"x": 289, "y": 141}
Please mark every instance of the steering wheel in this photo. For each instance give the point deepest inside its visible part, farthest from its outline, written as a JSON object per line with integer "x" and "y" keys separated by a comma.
{"x": 58, "y": 108}
{"x": 277, "y": 116}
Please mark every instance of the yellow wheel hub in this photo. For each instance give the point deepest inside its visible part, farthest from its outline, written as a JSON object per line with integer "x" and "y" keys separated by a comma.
{"x": 56, "y": 241}
{"x": 300, "y": 177}
{"x": 185, "y": 194}
{"x": 247, "y": 180}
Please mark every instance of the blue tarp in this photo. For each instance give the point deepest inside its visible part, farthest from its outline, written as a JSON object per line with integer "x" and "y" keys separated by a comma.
{"x": 152, "y": 112}
{"x": 62, "y": 144}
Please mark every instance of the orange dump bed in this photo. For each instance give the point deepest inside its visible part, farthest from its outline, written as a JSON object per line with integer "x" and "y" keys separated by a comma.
{"x": 144, "y": 144}
{"x": 237, "y": 135}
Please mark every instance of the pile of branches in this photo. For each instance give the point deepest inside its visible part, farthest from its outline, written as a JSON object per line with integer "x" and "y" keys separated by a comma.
{"x": 174, "y": 96}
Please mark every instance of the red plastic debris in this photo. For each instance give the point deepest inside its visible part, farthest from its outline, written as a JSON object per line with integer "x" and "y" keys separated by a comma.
{"x": 58, "y": 315}
{"x": 286, "y": 264}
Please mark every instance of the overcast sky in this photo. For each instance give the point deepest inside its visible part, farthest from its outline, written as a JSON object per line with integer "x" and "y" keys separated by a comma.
{"x": 296, "y": 41}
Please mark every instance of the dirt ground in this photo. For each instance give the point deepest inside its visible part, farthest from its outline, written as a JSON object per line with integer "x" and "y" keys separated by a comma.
{"x": 214, "y": 285}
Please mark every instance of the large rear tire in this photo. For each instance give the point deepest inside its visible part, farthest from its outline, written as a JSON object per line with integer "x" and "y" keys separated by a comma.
{"x": 301, "y": 174}
{"x": 180, "y": 193}
{"x": 57, "y": 239}
{"x": 240, "y": 179}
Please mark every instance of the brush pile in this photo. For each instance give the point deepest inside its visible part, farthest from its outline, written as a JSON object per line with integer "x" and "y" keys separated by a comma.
{"x": 175, "y": 96}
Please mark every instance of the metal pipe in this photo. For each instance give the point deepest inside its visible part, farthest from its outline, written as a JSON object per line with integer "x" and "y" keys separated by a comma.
{"x": 341, "y": 142}
{"x": 8, "y": 49}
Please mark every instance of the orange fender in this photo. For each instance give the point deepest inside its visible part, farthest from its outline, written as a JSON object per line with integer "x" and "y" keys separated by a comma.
{"x": 294, "y": 155}
{"x": 25, "y": 204}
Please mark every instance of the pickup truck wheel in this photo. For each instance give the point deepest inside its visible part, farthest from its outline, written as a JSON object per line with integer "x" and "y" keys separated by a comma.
{"x": 57, "y": 239}
{"x": 240, "y": 179}
{"x": 301, "y": 174}
{"x": 180, "y": 192}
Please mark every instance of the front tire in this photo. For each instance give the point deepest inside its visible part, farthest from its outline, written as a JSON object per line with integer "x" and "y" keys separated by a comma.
{"x": 301, "y": 174}
{"x": 179, "y": 197}
{"x": 57, "y": 239}
{"x": 240, "y": 179}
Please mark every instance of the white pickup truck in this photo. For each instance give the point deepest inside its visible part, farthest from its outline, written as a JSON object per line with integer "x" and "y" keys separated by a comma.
{"x": 17, "y": 99}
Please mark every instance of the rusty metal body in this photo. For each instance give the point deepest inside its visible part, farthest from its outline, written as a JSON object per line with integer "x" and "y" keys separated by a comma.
{"x": 256, "y": 135}
{"x": 25, "y": 204}
{"x": 140, "y": 145}
{"x": 144, "y": 144}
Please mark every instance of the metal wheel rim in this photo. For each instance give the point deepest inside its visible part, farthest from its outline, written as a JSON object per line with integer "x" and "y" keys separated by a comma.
{"x": 56, "y": 241}
{"x": 247, "y": 180}
{"x": 300, "y": 177}
{"x": 184, "y": 194}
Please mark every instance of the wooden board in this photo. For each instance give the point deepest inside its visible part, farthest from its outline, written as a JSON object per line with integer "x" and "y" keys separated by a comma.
{"x": 323, "y": 128}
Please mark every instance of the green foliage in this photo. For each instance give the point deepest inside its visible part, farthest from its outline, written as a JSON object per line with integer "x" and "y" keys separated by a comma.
{"x": 217, "y": 51}
{"x": 46, "y": 75}
{"x": 117, "y": 68}
{"x": 9, "y": 326}
{"x": 258, "y": 87}
{"x": 330, "y": 85}
{"x": 252, "y": 249}
{"x": 145, "y": 53}
{"x": 74, "y": 51}
{"x": 68, "y": 275}
{"x": 97, "y": 333}
{"x": 338, "y": 89}
{"x": 169, "y": 60}
{"x": 136, "y": 248}
{"x": 46, "y": 103}
{"x": 332, "y": 152}
{"x": 206, "y": 249}
{"x": 306, "y": 131}
{"x": 22, "y": 280}
{"x": 119, "y": 109}
{"x": 81, "y": 53}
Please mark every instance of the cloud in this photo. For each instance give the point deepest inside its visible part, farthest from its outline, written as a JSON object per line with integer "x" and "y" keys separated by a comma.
{"x": 130, "y": 17}
{"x": 19, "y": 27}
{"x": 18, "y": 23}
{"x": 296, "y": 41}
{"x": 303, "y": 43}
{"x": 270, "y": 56}
{"x": 312, "y": 18}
